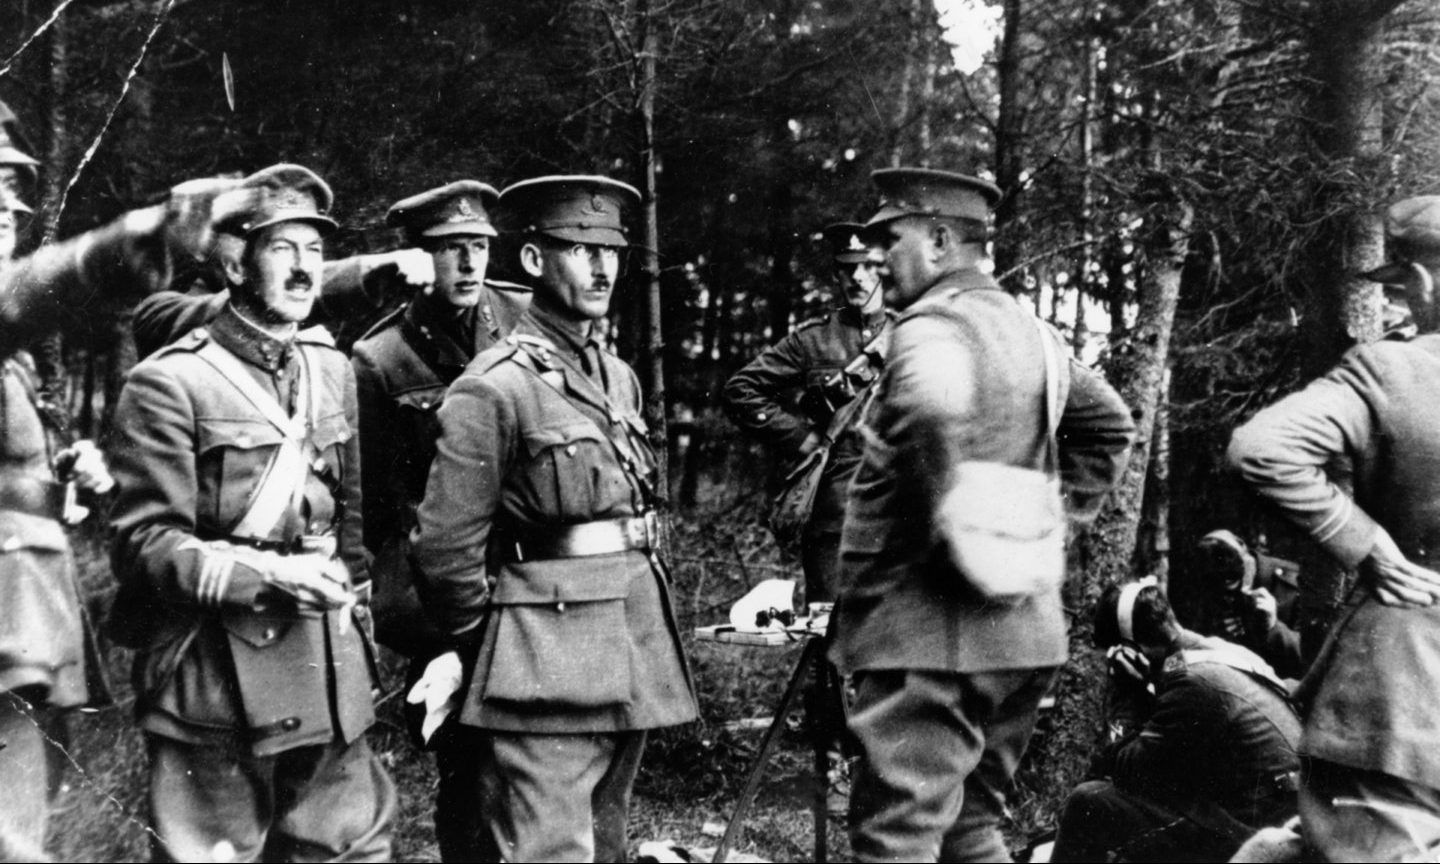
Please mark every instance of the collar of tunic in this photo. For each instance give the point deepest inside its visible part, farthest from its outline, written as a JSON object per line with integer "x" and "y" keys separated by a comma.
{"x": 248, "y": 342}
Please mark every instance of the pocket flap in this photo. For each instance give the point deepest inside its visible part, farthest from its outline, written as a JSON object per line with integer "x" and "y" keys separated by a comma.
{"x": 421, "y": 399}
{"x": 565, "y": 580}
{"x": 238, "y": 434}
{"x": 330, "y": 430}
{"x": 554, "y": 436}
{"x": 258, "y": 631}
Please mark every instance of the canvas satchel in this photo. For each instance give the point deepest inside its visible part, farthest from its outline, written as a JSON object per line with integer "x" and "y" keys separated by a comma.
{"x": 790, "y": 511}
{"x": 1005, "y": 525}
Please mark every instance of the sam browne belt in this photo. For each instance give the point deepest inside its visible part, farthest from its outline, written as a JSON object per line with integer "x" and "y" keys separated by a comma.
{"x": 602, "y": 537}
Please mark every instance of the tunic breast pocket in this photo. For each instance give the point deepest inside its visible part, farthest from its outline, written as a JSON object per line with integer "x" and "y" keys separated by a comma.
{"x": 572, "y": 471}
{"x": 232, "y": 455}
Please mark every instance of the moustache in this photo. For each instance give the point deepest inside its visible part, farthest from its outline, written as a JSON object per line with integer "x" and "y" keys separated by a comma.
{"x": 600, "y": 285}
{"x": 300, "y": 279}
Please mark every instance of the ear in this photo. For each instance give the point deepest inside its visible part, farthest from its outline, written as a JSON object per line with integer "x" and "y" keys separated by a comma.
{"x": 234, "y": 269}
{"x": 943, "y": 240}
{"x": 530, "y": 259}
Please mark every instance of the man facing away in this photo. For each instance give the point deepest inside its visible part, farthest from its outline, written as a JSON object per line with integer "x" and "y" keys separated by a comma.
{"x": 536, "y": 548}
{"x": 244, "y": 581}
{"x": 948, "y": 685}
{"x": 1371, "y": 788}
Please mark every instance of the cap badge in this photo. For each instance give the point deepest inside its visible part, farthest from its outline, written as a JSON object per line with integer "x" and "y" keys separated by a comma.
{"x": 597, "y": 203}
{"x": 855, "y": 244}
{"x": 465, "y": 209}
{"x": 288, "y": 199}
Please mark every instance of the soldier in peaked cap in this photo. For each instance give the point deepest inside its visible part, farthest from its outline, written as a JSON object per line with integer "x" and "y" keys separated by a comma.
{"x": 403, "y": 367}
{"x": 1412, "y": 232}
{"x": 803, "y": 393}
{"x": 948, "y": 684}
{"x": 536, "y": 549}
{"x": 243, "y": 579}
{"x": 1372, "y": 783}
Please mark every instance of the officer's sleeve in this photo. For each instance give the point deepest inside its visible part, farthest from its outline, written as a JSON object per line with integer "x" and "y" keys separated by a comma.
{"x": 352, "y": 532}
{"x": 165, "y": 316}
{"x": 752, "y": 396}
{"x": 378, "y": 450}
{"x": 355, "y": 287}
{"x": 153, "y": 462}
{"x": 1282, "y": 453}
{"x": 82, "y": 277}
{"x": 462, "y": 495}
{"x": 1094, "y": 434}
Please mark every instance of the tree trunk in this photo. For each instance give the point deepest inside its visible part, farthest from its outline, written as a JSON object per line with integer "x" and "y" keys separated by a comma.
{"x": 652, "y": 374}
{"x": 1009, "y": 247}
{"x": 1346, "y": 108}
{"x": 915, "y": 17}
{"x": 929, "y": 29}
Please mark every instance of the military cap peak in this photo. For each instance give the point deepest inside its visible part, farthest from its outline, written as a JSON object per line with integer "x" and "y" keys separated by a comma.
{"x": 1412, "y": 229}
{"x": 844, "y": 239}
{"x": 462, "y": 207}
{"x": 578, "y": 208}
{"x": 282, "y": 193}
{"x": 931, "y": 192}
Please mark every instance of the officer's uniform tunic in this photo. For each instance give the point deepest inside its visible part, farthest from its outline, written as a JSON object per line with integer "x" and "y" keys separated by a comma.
{"x": 1372, "y": 729}
{"x": 761, "y": 399}
{"x": 247, "y": 703}
{"x": 948, "y": 685}
{"x": 402, "y": 369}
{"x": 573, "y": 657}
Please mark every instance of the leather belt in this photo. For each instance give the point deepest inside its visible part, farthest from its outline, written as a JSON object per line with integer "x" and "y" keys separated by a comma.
{"x": 303, "y": 544}
{"x": 602, "y": 537}
{"x": 35, "y": 497}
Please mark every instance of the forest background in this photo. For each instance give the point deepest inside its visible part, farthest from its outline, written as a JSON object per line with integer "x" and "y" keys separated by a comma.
{"x": 1190, "y": 186}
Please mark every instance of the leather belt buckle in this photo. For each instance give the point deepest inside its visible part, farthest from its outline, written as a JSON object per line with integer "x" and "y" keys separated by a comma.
{"x": 652, "y": 529}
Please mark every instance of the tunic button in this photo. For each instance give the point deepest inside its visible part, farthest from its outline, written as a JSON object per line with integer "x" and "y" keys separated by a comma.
{"x": 865, "y": 333}
{"x": 570, "y": 451}
{"x": 424, "y": 403}
{"x": 760, "y": 417}
{"x": 269, "y": 633}
{"x": 290, "y": 724}
{"x": 559, "y": 607}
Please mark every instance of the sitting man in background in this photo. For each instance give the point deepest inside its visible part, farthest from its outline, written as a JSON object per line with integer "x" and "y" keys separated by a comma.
{"x": 1202, "y": 742}
{"x": 1255, "y": 597}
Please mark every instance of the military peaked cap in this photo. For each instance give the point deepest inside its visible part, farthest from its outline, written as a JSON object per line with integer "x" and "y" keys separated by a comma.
{"x": 461, "y": 207}
{"x": 846, "y": 247}
{"x": 927, "y": 192}
{"x": 1412, "y": 229}
{"x": 575, "y": 208}
{"x": 282, "y": 193}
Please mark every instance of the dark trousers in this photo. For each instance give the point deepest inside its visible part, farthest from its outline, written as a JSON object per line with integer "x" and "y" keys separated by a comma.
{"x": 322, "y": 802}
{"x": 555, "y": 797}
{"x": 1349, "y": 814}
{"x": 938, "y": 751}
{"x": 1104, "y": 823}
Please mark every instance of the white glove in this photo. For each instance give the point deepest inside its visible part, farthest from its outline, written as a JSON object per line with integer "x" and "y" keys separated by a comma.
{"x": 439, "y": 689}
{"x": 416, "y": 267}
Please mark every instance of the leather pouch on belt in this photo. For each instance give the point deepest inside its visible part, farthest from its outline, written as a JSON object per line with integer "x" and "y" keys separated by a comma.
{"x": 561, "y": 636}
{"x": 281, "y": 669}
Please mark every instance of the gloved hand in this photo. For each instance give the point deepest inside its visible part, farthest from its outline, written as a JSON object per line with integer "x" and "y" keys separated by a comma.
{"x": 315, "y": 582}
{"x": 84, "y": 465}
{"x": 195, "y": 207}
{"x": 415, "y": 267}
{"x": 439, "y": 689}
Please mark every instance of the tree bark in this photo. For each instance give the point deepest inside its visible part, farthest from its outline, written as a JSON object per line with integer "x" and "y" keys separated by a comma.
{"x": 1346, "y": 108}
{"x": 1009, "y": 247}
{"x": 653, "y": 346}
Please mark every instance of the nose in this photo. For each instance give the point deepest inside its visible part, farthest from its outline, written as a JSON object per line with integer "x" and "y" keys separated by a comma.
{"x": 465, "y": 262}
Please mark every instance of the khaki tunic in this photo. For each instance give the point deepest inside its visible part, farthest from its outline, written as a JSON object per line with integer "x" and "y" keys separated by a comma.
{"x": 564, "y": 645}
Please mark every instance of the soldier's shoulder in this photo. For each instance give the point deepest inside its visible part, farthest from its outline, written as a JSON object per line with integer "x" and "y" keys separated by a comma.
{"x": 814, "y": 323}
{"x": 389, "y": 323}
{"x": 185, "y": 344}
